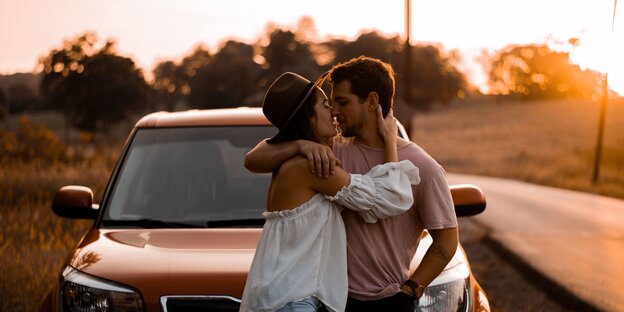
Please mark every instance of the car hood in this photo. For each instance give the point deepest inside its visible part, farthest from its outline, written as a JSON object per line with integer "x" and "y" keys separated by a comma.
{"x": 170, "y": 261}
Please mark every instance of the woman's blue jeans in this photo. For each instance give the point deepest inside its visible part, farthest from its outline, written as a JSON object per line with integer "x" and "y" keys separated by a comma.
{"x": 311, "y": 304}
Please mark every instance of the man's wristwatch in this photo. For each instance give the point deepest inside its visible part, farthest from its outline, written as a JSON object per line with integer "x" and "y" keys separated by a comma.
{"x": 417, "y": 289}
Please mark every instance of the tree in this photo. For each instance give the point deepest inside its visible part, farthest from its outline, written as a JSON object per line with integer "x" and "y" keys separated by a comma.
{"x": 238, "y": 74}
{"x": 285, "y": 52}
{"x": 167, "y": 85}
{"x": 535, "y": 71}
{"x": 370, "y": 44}
{"x": 435, "y": 79}
{"x": 172, "y": 81}
{"x": 94, "y": 87}
{"x": 22, "y": 98}
{"x": 227, "y": 80}
{"x": 20, "y": 93}
{"x": 4, "y": 107}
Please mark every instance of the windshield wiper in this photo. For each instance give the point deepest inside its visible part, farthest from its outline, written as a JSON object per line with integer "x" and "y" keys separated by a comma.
{"x": 235, "y": 223}
{"x": 151, "y": 223}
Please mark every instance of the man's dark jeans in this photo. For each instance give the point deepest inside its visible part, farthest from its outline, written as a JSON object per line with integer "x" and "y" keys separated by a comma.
{"x": 399, "y": 302}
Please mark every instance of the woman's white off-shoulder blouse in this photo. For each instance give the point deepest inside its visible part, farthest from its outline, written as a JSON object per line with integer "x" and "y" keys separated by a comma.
{"x": 302, "y": 251}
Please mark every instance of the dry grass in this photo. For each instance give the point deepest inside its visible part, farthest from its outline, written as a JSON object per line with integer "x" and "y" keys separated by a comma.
{"x": 544, "y": 142}
{"x": 33, "y": 241}
{"x": 550, "y": 142}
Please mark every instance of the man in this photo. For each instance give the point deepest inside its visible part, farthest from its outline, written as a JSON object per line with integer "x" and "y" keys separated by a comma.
{"x": 378, "y": 254}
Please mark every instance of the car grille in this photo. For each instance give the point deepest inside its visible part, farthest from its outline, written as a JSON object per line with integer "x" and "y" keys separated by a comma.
{"x": 199, "y": 303}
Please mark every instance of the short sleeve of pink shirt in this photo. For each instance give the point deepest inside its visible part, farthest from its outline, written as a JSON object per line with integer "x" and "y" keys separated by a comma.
{"x": 379, "y": 254}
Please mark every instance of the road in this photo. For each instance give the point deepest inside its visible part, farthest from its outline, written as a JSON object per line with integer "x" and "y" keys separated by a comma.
{"x": 508, "y": 286}
{"x": 572, "y": 238}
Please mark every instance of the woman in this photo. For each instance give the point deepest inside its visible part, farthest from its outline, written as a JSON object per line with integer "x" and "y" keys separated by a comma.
{"x": 300, "y": 261}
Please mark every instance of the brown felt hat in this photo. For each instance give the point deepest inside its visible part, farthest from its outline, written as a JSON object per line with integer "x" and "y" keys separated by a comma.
{"x": 284, "y": 99}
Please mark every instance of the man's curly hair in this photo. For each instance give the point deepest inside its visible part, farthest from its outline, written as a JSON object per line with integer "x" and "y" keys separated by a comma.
{"x": 367, "y": 75}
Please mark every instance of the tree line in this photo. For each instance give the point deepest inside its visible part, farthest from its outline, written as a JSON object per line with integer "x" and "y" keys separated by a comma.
{"x": 95, "y": 87}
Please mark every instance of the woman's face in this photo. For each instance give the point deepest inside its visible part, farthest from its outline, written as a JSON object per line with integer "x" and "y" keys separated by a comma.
{"x": 323, "y": 123}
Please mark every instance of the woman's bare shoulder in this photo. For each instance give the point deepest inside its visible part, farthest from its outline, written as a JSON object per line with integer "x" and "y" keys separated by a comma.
{"x": 295, "y": 165}
{"x": 297, "y": 169}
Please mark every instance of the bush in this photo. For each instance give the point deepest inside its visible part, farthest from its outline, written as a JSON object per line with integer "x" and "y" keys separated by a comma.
{"x": 31, "y": 143}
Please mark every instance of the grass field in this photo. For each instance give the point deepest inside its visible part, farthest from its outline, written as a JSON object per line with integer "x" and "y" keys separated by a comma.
{"x": 33, "y": 241}
{"x": 544, "y": 142}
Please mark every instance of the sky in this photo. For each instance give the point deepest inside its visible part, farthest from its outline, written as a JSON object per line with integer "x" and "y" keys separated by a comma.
{"x": 150, "y": 31}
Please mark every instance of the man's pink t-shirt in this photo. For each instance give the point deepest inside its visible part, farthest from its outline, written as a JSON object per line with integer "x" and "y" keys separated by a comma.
{"x": 379, "y": 254}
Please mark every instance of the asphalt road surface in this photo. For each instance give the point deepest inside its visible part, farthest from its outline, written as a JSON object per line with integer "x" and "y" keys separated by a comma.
{"x": 510, "y": 285}
{"x": 569, "y": 245}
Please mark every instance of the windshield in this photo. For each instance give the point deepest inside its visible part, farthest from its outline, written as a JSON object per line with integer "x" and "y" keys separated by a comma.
{"x": 189, "y": 177}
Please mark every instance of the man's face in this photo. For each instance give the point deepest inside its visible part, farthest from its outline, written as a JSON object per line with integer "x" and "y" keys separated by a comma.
{"x": 349, "y": 111}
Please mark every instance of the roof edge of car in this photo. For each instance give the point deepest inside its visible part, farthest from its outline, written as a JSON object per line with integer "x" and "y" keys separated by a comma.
{"x": 204, "y": 117}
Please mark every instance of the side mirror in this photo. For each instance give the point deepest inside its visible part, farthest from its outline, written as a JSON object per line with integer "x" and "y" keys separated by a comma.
{"x": 469, "y": 200}
{"x": 74, "y": 202}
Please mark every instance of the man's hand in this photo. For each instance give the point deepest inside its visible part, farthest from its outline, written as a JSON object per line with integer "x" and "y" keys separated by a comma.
{"x": 321, "y": 159}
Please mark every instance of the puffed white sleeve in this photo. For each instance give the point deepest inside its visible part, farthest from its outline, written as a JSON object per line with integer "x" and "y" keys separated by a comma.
{"x": 384, "y": 191}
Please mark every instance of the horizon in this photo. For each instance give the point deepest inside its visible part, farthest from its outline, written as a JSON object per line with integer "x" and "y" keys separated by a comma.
{"x": 153, "y": 31}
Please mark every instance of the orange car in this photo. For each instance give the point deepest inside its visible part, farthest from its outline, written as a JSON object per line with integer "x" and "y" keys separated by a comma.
{"x": 180, "y": 219}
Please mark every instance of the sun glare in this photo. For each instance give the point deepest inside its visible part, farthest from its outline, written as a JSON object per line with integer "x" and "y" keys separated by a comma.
{"x": 604, "y": 59}
{"x": 601, "y": 46}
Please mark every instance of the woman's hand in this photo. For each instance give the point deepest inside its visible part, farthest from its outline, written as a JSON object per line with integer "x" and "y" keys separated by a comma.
{"x": 388, "y": 131}
{"x": 387, "y": 126}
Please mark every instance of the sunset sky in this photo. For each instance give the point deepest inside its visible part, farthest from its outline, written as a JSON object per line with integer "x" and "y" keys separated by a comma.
{"x": 154, "y": 30}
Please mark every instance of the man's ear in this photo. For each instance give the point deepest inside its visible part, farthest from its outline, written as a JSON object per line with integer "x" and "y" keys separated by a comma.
{"x": 372, "y": 100}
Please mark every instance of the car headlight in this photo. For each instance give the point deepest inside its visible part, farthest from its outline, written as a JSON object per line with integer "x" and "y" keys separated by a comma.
{"x": 83, "y": 292}
{"x": 444, "y": 297}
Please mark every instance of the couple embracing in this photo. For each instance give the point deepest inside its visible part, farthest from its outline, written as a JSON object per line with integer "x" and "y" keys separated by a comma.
{"x": 345, "y": 212}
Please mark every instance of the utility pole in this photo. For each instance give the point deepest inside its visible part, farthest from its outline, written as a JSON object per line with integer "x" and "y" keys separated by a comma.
{"x": 603, "y": 108}
{"x": 408, "y": 53}
{"x": 601, "y": 118}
